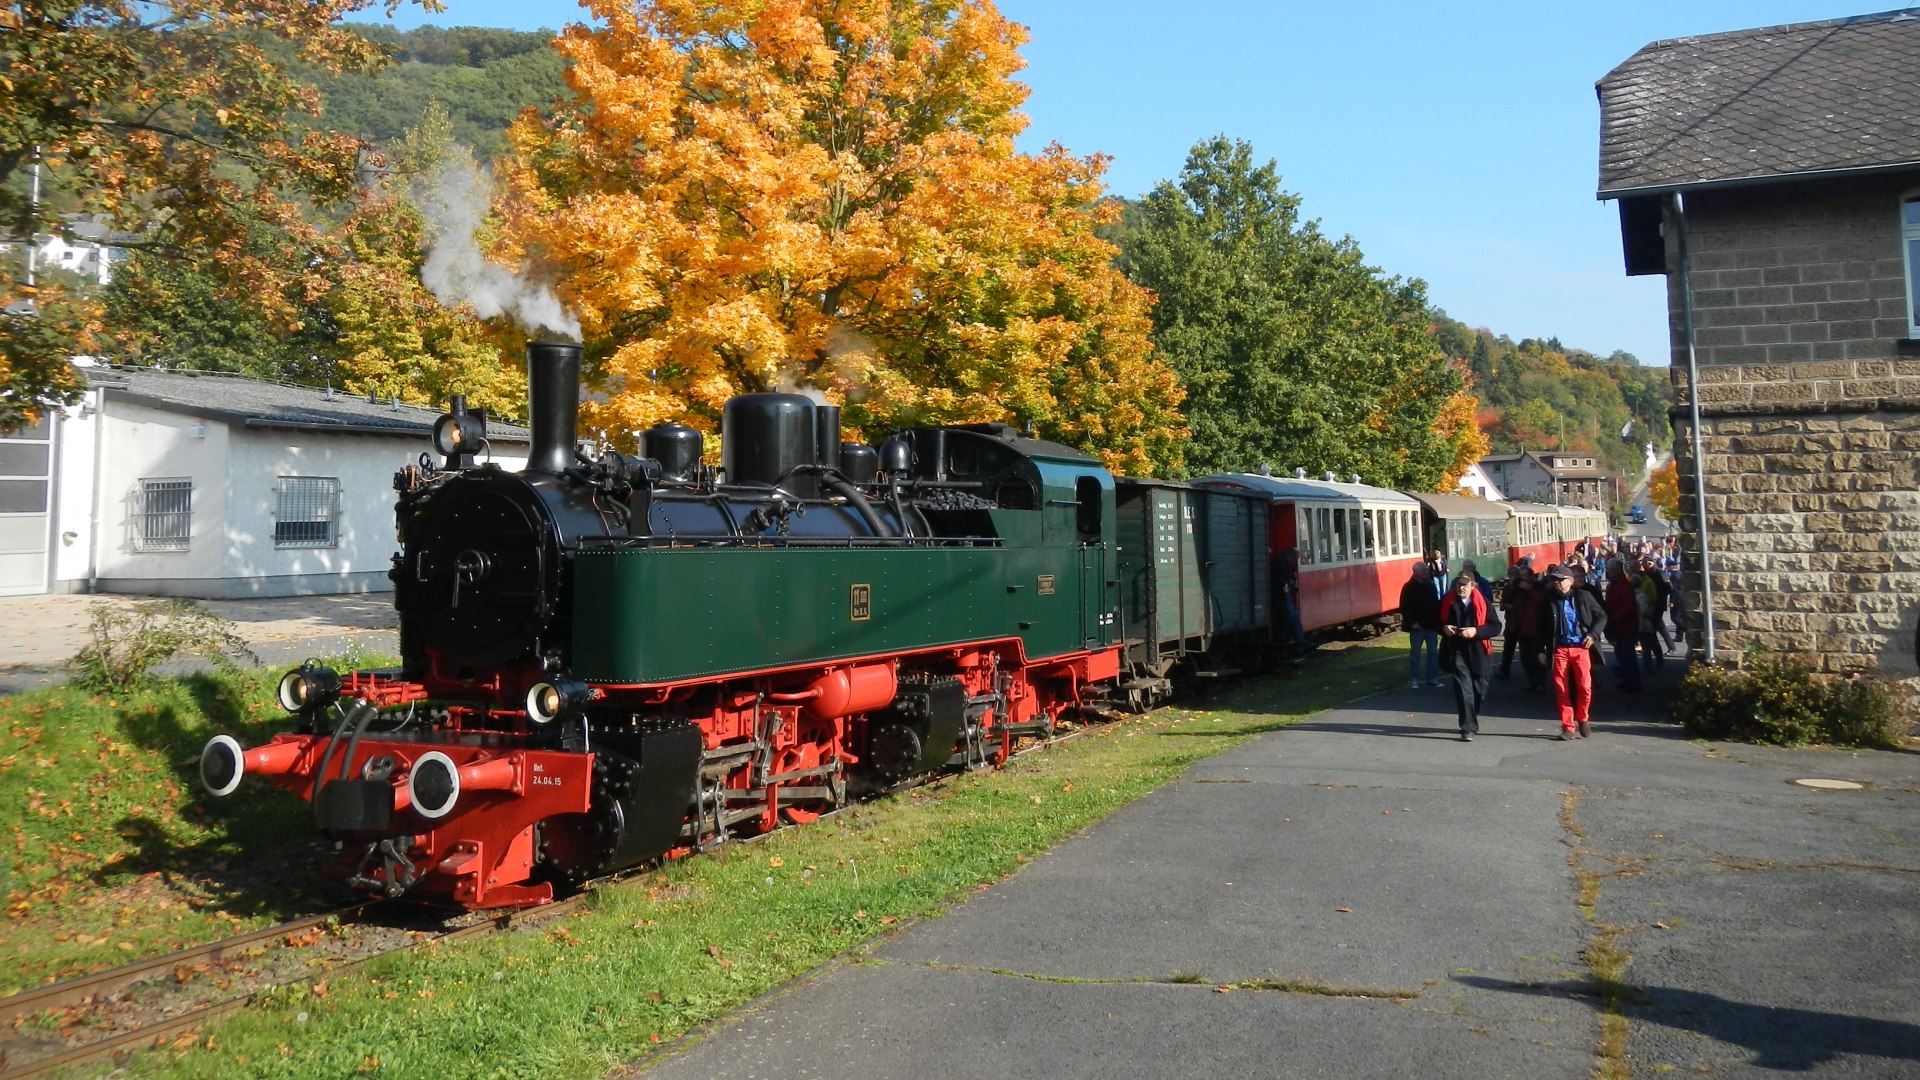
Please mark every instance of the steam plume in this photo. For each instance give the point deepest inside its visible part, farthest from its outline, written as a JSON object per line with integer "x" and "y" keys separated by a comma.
{"x": 454, "y": 200}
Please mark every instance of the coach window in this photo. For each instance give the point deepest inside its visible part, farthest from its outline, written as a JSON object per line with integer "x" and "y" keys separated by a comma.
{"x": 1086, "y": 491}
{"x": 1372, "y": 531}
{"x": 1326, "y": 534}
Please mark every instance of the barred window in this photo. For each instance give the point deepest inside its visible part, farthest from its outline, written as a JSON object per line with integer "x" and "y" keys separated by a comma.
{"x": 307, "y": 511}
{"x": 163, "y": 515}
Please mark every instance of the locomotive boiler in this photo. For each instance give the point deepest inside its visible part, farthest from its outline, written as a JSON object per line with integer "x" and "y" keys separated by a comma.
{"x": 609, "y": 659}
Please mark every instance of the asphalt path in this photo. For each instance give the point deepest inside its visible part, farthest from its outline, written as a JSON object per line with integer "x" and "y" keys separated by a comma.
{"x": 1414, "y": 906}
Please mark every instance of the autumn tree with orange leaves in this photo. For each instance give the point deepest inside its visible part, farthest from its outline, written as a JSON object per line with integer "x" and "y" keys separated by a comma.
{"x": 801, "y": 193}
{"x": 173, "y": 119}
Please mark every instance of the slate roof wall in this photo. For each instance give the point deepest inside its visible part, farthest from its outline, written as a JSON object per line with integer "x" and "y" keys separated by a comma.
{"x": 255, "y": 403}
{"x": 1773, "y": 103}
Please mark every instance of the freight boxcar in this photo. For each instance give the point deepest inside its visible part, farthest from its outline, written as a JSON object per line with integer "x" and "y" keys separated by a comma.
{"x": 1195, "y": 583}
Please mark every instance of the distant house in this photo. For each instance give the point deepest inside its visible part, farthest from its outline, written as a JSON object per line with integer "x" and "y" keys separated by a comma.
{"x": 1477, "y": 483}
{"x": 87, "y": 245}
{"x": 181, "y": 484}
{"x": 1553, "y": 477}
{"x": 1773, "y": 176}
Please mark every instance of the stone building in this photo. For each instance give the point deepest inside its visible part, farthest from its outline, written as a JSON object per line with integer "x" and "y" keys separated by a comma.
{"x": 1773, "y": 176}
{"x": 1557, "y": 478}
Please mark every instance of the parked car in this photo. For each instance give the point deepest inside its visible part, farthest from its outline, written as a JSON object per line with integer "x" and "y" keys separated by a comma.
{"x": 1636, "y": 516}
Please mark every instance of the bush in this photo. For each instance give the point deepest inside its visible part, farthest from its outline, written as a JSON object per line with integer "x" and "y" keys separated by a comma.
{"x": 1777, "y": 702}
{"x": 126, "y": 644}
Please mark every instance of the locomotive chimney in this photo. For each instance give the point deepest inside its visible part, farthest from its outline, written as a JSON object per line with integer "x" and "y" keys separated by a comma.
{"x": 553, "y": 403}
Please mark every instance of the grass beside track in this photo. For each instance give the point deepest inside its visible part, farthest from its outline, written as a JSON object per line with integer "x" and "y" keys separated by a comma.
{"x": 647, "y": 960}
{"x": 112, "y": 852}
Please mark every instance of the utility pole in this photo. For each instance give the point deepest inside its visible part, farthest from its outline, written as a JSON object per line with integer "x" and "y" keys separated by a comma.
{"x": 33, "y": 221}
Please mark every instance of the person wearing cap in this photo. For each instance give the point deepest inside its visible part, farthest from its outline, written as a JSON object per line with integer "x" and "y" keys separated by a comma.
{"x": 1573, "y": 619}
{"x": 1467, "y": 628}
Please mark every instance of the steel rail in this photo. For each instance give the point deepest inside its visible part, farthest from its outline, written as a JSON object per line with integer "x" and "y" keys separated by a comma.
{"x": 75, "y": 991}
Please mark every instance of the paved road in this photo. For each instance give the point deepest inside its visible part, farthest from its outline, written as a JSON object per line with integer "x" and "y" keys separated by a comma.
{"x": 39, "y": 633}
{"x": 1429, "y": 903}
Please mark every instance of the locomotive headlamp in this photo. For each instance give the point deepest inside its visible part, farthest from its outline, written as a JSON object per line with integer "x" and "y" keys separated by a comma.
{"x": 547, "y": 701}
{"x": 308, "y": 687}
{"x": 458, "y": 433}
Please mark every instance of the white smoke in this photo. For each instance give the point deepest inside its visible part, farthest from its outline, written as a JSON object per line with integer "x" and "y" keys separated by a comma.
{"x": 454, "y": 200}
{"x": 786, "y": 385}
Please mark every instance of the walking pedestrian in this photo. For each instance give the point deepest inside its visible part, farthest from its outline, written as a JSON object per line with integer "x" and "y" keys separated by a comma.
{"x": 1573, "y": 620}
{"x": 1420, "y": 618}
{"x": 1467, "y": 628}
{"x": 1623, "y": 625}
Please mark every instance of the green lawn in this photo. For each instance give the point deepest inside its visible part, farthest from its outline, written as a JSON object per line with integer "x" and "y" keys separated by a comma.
{"x": 644, "y": 961}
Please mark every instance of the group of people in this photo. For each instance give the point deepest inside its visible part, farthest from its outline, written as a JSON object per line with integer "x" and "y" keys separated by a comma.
{"x": 1555, "y": 620}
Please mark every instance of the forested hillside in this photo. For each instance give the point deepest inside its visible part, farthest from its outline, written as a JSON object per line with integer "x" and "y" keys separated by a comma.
{"x": 483, "y": 77}
{"x": 1542, "y": 395}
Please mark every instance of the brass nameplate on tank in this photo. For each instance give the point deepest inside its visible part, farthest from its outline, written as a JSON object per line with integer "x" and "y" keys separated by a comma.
{"x": 1046, "y": 584}
{"x": 862, "y": 603}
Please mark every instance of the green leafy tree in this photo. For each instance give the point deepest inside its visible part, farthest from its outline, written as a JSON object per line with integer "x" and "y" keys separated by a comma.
{"x": 1293, "y": 351}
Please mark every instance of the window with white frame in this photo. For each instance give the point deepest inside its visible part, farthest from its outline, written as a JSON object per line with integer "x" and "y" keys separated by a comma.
{"x": 307, "y": 512}
{"x": 1910, "y": 243}
{"x": 163, "y": 514}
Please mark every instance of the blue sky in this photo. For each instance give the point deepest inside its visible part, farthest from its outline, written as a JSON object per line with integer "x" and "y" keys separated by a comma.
{"x": 1455, "y": 143}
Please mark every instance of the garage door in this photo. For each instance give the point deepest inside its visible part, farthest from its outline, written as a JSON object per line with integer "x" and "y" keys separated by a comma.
{"x": 26, "y": 466}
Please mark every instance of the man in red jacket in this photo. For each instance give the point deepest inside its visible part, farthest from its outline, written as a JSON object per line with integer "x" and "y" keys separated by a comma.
{"x": 1467, "y": 628}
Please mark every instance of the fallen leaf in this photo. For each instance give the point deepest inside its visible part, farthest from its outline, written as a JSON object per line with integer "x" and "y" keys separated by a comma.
{"x": 1661, "y": 926}
{"x": 776, "y": 862}
{"x": 1344, "y": 910}
{"x": 1224, "y": 988}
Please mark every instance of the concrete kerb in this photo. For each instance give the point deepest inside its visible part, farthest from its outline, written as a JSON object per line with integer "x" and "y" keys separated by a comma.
{"x": 38, "y": 634}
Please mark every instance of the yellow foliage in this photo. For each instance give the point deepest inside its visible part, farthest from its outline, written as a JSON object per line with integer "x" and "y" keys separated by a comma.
{"x": 803, "y": 193}
{"x": 1663, "y": 490}
{"x": 1458, "y": 426}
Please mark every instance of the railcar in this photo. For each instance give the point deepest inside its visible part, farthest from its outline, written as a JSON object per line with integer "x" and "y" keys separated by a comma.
{"x": 608, "y": 660}
{"x": 1195, "y": 581}
{"x": 1533, "y": 532}
{"x": 1578, "y": 525}
{"x": 1358, "y": 544}
{"x": 1466, "y": 528}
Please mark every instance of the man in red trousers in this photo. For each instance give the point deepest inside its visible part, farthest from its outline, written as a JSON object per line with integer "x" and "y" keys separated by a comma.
{"x": 1573, "y": 620}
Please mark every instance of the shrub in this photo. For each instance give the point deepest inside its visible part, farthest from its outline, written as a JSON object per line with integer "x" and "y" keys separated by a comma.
{"x": 126, "y": 644}
{"x": 1775, "y": 701}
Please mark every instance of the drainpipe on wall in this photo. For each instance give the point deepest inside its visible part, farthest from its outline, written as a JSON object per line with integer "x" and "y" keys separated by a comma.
{"x": 1693, "y": 409}
{"x": 99, "y": 396}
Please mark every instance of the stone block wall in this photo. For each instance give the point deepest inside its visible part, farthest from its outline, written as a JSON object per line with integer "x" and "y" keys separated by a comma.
{"x": 1810, "y": 423}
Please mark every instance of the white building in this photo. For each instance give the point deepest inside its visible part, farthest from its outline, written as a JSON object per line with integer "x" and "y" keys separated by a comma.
{"x": 207, "y": 485}
{"x": 1475, "y": 482}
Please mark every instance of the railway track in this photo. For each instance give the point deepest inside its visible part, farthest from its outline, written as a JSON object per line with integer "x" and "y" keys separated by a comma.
{"x": 20, "y": 1059}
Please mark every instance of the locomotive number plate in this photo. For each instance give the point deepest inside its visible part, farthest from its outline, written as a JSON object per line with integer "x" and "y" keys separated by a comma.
{"x": 1046, "y": 584}
{"x": 862, "y": 603}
